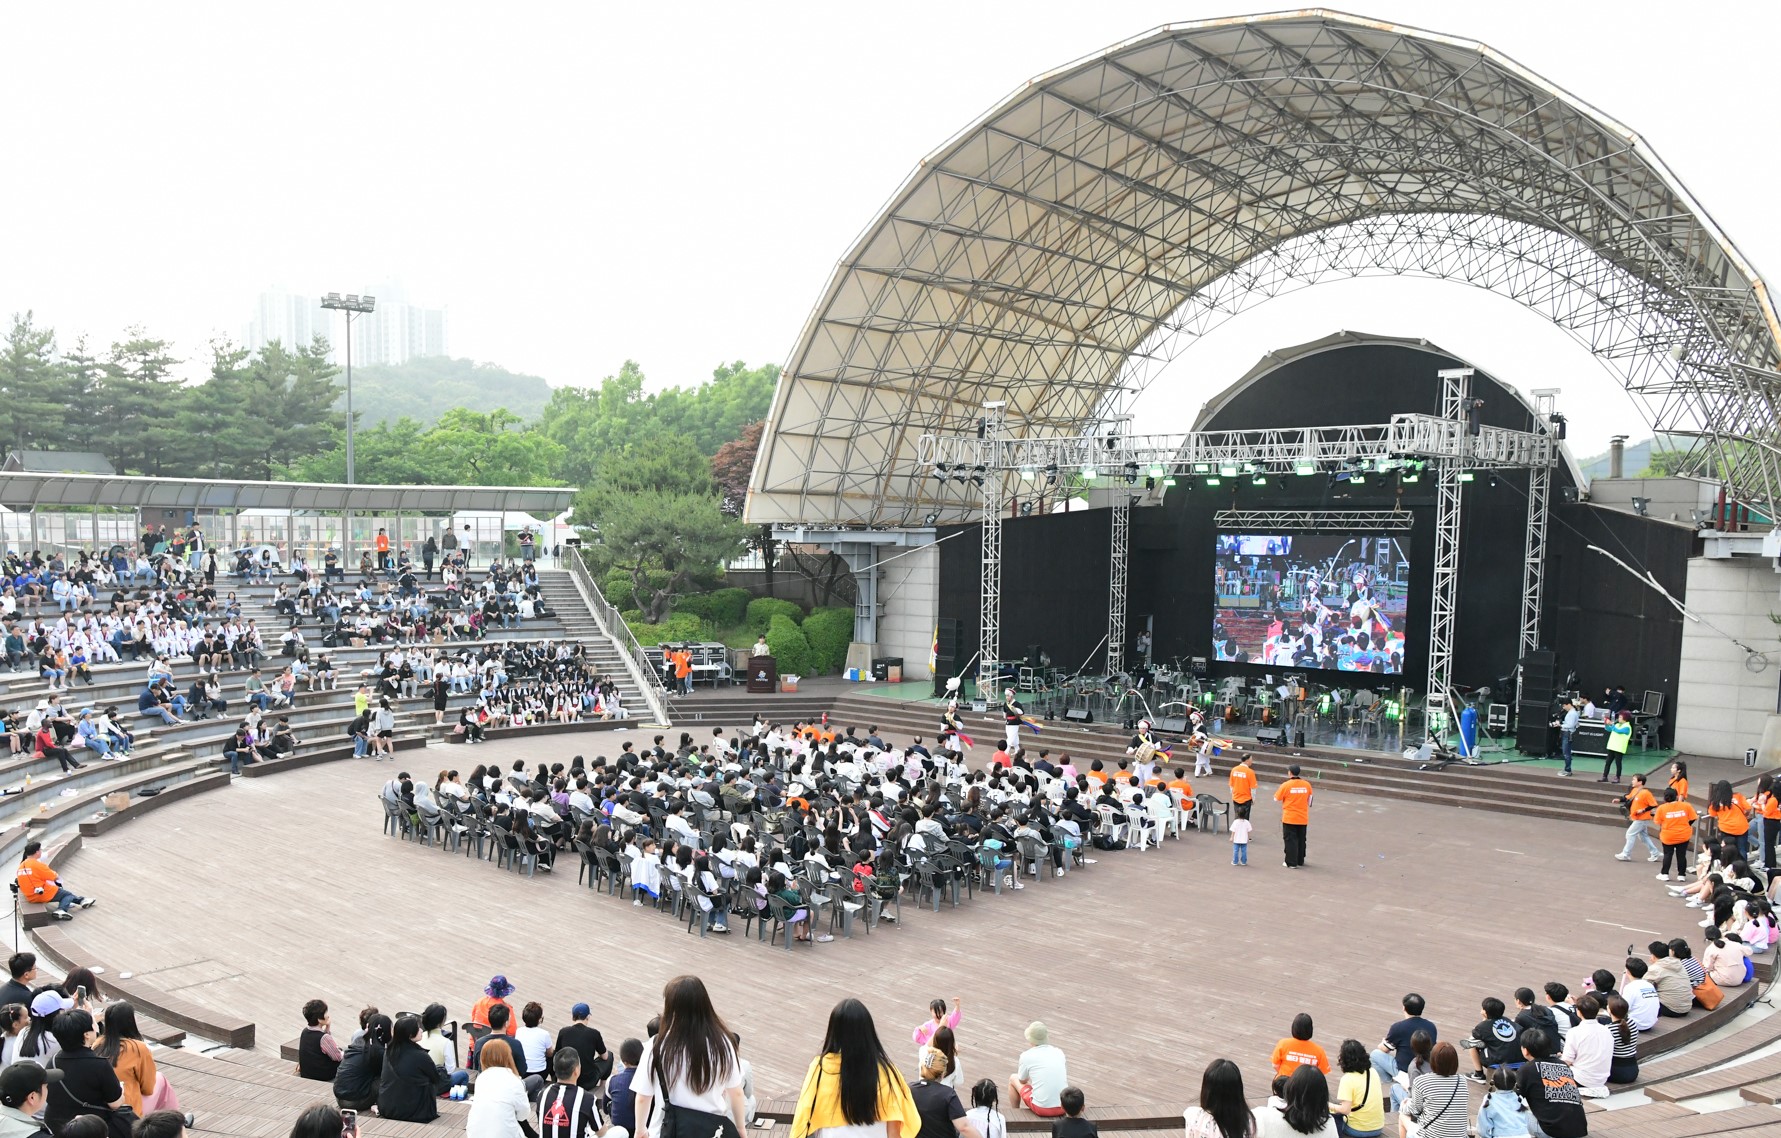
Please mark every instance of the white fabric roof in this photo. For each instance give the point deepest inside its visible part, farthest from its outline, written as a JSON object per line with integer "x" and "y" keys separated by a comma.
{"x": 1098, "y": 219}
{"x": 30, "y": 491}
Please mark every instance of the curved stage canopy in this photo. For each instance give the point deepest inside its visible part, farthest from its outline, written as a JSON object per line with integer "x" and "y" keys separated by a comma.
{"x": 1069, "y": 243}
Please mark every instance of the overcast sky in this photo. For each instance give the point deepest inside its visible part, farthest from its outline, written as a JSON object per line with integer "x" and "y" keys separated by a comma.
{"x": 582, "y": 183}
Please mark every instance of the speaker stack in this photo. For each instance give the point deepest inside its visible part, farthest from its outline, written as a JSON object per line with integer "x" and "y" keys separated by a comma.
{"x": 946, "y": 656}
{"x": 1539, "y": 680}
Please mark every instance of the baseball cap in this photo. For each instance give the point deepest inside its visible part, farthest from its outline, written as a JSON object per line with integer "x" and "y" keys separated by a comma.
{"x": 19, "y": 1081}
{"x": 48, "y": 1002}
{"x": 580, "y": 1011}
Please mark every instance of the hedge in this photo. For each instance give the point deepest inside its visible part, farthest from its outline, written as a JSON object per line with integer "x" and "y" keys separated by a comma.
{"x": 678, "y": 627}
{"x": 725, "y": 608}
{"x": 621, "y": 593}
{"x": 762, "y": 610}
{"x": 786, "y": 642}
{"x": 828, "y": 631}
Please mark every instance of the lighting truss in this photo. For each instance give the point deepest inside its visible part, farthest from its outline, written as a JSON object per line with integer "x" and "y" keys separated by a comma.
{"x": 1310, "y": 521}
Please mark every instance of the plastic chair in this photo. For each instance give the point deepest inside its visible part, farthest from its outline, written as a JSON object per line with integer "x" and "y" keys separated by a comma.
{"x": 1211, "y": 812}
{"x": 783, "y": 915}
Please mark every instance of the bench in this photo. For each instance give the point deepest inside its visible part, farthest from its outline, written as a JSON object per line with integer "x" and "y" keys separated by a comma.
{"x": 175, "y": 1011}
{"x": 492, "y": 734}
{"x": 31, "y": 914}
{"x": 140, "y": 806}
{"x": 64, "y": 810}
{"x": 316, "y": 757}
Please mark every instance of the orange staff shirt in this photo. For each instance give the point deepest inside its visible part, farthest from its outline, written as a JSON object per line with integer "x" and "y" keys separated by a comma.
{"x": 1771, "y": 806}
{"x": 1294, "y": 797}
{"x": 1675, "y": 823}
{"x": 1734, "y": 819}
{"x": 1291, "y": 1054}
{"x": 1243, "y": 782}
{"x": 1642, "y": 803}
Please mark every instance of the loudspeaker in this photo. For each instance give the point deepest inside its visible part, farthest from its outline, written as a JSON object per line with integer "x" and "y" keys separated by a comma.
{"x": 1175, "y": 724}
{"x": 1079, "y": 715}
{"x": 1271, "y": 736}
{"x": 1539, "y": 677}
{"x": 1533, "y": 730}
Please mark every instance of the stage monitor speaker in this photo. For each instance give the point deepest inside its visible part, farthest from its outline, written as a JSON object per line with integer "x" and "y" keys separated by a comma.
{"x": 1079, "y": 715}
{"x": 946, "y": 636}
{"x": 1177, "y": 724}
{"x": 1271, "y": 736}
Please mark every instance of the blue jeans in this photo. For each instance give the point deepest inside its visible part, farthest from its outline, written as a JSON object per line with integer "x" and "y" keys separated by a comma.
{"x": 359, "y": 744}
{"x": 260, "y": 700}
{"x": 238, "y": 758}
{"x": 1564, "y": 744}
{"x": 1640, "y": 832}
{"x": 66, "y": 898}
{"x": 162, "y": 714}
{"x": 98, "y": 745}
{"x": 1240, "y": 853}
{"x": 1348, "y": 1131}
{"x": 1385, "y": 1065}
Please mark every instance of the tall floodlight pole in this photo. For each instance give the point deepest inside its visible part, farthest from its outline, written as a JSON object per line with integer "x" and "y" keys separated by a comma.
{"x": 352, "y": 304}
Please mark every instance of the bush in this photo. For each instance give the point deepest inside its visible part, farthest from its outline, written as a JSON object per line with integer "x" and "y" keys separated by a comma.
{"x": 828, "y": 631}
{"x": 786, "y": 642}
{"x": 762, "y": 610}
{"x": 725, "y": 608}
{"x": 678, "y": 627}
{"x": 620, "y": 593}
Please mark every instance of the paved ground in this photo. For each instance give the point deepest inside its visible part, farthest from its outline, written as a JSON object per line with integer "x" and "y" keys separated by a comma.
{"x": 256, "y": 898}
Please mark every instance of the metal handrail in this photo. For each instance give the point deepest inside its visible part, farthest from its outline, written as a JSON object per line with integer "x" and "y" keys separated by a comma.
{"x": 649, "y": 681}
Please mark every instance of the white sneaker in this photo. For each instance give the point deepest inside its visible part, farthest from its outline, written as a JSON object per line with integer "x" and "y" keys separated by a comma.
{"x": 1708, "y": 923}
{"x": 1058, "y": 872}
{"x": 1665, "y": 877}
{"x": 1621, "y": 857}
{"x": 1654, "y": 857}
{"x": 1693, "y": 903}
{"x": 1593, "y": 1092}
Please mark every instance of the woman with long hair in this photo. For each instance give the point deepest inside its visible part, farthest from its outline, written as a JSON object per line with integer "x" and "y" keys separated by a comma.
{"x": 319, "y": 1121}
{"x": 853, "y": 1082}
{"x": 1306, "y": 1109}
{"x": 355, "y": 1083}
{"x": 412, "y": 1083}
{"x": 1731, "y": 813}
{"x": 1223, "y": 1111}
{"x": 689, "y": 1068}
{"x": 1624, "y": 1067}
{"x": 121, "y": 1045}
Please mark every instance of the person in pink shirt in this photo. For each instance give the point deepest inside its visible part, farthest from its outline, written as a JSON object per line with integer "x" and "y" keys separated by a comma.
{"x": 938, "y": 1018}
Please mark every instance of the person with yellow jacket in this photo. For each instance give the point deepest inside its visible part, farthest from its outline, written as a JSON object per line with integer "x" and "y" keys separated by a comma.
{"x": 853, "y": 1082}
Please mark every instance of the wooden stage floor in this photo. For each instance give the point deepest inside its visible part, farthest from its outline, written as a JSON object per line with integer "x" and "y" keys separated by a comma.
{"x": 256, "y": 898}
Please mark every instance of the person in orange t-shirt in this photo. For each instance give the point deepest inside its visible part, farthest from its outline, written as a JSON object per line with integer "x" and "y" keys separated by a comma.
{"x": 1243, "y": 786}
{"x": 39, "y": 885}
{"x": 1294, "y": 797}
{"x": 1730, "y": 811}
{"x": 499, "y": 988}
{"x": 1298, "y": 1051}
{"x": 1641, "y": 804}
{"x": 1768, "y": 804}
{"x": 1675, "y": 828}
{"x": 683, "y": 670}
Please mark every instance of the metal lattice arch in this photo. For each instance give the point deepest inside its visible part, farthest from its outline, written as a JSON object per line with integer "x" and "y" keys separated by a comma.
{"x": 1089, "y": 228}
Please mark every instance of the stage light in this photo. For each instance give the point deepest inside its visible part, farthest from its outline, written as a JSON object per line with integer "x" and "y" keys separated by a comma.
{"x": 1465, "y": 476}
{"x": 982, "y": 427}
{"x": 1202, "y": 468}
{"x": 1156, "y": 470}
{"x": 1495, "y": 482}
{"x": 1026, "y": 473}
{"x": 1026, "y": 509}
{"x": 1088, "y": 470}
{"x": 1212, "y": 481}
{"x": 1409, "y": 476}
{"x": 930, "y": 519}
{"x": 1051, "y": 474}
{"x": 1167, "y": 482}
{"x": 1357, "y": 479}
{"x": 977, "y": 474}
{"x": 1131, "y": 473}
{"x": 1474, "y": 416}
{"x": 1228, "y": 470}
{"x": 1305, "y": 468}
{"x": 1259, "y": 480}
{"x": 1150, "y": 484}
{"x": 940, "y": 471}
{"x": 1642, "y": 506}
{"x": 1557, "y": 420}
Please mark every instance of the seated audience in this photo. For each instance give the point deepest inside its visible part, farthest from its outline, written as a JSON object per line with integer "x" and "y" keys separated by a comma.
{"x": 1039, "y": 1080}
{"x": 318, "y": 1055}
{"x": 1298, "y": 1049}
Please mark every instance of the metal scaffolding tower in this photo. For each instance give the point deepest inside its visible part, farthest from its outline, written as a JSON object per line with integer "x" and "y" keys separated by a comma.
{"x": 1456, "y": 388}
{"x": 1533, "y": 565}
{"x": 995, "y": 503}
{"x": 1116, "y": 580}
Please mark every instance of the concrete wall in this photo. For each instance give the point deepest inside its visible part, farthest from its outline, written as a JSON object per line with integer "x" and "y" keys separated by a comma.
{"x": 1722, "y": 707}
{"x": 909, "y": 604}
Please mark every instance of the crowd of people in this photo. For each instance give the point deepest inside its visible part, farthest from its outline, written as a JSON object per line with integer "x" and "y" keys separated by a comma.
{"x": 74, "y": 1064}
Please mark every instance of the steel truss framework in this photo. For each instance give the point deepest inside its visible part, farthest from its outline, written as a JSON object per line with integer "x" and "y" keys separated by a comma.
{"x": 1062, "y": 250}
{"x": 1268, "y": 521}
{"x": 989, "y": 461}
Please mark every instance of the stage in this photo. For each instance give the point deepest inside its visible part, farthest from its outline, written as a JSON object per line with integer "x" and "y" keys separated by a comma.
{"x": 289, "y": 891}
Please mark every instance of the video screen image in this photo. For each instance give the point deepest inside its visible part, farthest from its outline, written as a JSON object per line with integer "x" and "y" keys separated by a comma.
{"x": 1330, "y": 601}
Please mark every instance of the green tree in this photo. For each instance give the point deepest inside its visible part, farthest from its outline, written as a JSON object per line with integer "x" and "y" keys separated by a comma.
{"x": 137, "y": 400}
{"x": 589, "y": 422}
{"x": 32, "y": 387}
{"x": 490, "y": 449}
{"x": 426, "y": 387}
{"x": 389, "y": 454}
{"x": 664, "y": 539}
{"x": 82, "y": 372}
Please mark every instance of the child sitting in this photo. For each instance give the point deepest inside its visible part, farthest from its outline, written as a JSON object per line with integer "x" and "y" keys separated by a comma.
{"x": 1501, "y": 1115}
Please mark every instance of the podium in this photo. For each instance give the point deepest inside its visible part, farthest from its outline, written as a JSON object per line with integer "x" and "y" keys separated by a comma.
{"x": 763, "y": 674}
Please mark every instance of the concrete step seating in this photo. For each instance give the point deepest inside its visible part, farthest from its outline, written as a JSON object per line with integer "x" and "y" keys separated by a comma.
{"x": 1650, "y": 1122}
{"x": 240, "y": 1094}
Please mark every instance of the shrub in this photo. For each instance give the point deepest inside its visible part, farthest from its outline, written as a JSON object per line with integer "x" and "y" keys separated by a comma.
{"x": 762, "y": 610}
{"x": 786, "y": 642}
{"x": 828, "y": 631}
{"x": 620, "y": 593}
{"x": 725, "y": 608}
{"x": 678, "y": 626}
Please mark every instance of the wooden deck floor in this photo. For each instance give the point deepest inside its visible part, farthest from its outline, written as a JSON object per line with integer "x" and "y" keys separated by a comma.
{"x": 257, "y": 897}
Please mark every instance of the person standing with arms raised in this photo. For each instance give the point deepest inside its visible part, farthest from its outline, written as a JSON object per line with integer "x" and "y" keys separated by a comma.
{"x": 1294, "y": 797}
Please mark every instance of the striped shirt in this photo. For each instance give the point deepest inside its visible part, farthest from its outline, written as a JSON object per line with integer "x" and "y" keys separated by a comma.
{"x": 1440, "y": 1105}
{"x": 1626, "y": 1040}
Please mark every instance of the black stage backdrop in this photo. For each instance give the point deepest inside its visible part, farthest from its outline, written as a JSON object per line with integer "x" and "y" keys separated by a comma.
{"x": 1602, "y": 622}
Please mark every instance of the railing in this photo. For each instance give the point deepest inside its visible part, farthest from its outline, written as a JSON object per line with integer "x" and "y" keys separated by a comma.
{"x": 649, "y": 681}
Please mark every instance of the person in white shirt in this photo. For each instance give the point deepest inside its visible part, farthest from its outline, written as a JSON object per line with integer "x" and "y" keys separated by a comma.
{"x": 1040, "y": 1079}
{"x": 1589, "y": 1049}
{"x": 1641, "y": 996}
{"x": 536, "y": 1041}
{"x": 500, "y": 1106}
